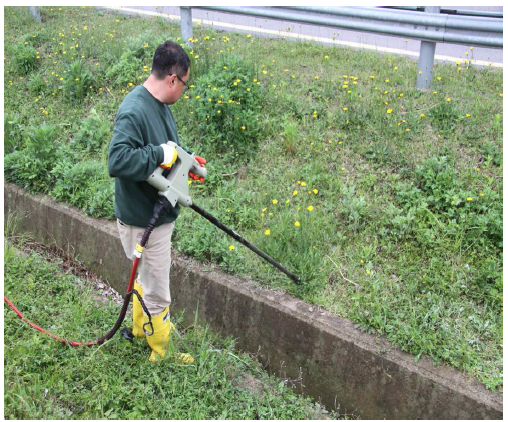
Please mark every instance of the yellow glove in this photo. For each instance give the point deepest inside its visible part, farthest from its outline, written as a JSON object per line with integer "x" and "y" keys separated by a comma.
{"x": 170, "y": 156}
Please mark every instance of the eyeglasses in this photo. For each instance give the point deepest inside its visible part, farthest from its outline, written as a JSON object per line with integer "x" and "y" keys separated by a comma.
{"x": 187, "y": 87}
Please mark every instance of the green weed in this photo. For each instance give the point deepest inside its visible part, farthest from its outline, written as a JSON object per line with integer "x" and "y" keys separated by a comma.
{"x": 31, "y": 167}
{"x": 225, "y": 107}
{"x": 13, "y": 133}
{"x": 77, "y": 81}
{"x": 24, "y": 58}
{"x": 93, "y": 133}
{"x": 36, "y": 84}
{"x": 125, "y": 72}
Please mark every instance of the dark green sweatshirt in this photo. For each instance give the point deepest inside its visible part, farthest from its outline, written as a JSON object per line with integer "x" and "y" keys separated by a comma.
{"x": 142, "y": 124}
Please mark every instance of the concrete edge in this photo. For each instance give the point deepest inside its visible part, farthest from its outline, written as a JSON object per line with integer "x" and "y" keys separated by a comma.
{"x": 336, "y": 363}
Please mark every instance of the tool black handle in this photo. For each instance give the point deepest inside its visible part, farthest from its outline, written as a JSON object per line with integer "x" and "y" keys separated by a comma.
{"x": 244, "y": 242}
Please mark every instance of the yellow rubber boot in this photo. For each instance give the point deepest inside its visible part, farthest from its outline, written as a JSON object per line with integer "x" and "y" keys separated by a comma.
{"x": 159, "y": 341}
{"x": 137, "y": 313}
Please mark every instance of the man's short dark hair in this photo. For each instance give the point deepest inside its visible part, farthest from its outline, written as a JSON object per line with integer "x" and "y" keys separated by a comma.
{"x": 170, "y": 58}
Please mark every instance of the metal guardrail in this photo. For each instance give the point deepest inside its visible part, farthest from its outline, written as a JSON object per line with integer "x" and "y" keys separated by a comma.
{"x": 433, "y": 27}
{"x": 457, "y": 12}
{"x": 430, "y": 27}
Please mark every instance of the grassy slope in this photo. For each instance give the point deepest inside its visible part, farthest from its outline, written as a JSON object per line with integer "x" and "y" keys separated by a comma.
{"x": 399, "y": 239}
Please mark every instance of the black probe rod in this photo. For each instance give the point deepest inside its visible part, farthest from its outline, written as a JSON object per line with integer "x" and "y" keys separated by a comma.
{"x": 244, "y": 242}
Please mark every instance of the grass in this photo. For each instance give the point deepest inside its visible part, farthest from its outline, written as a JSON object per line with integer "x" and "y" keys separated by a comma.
{"x": 47, "y": 380}
{"x": 384, "y": 199}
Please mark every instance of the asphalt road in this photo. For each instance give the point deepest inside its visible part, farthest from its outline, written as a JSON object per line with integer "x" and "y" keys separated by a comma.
{"x": 269, "y": 27}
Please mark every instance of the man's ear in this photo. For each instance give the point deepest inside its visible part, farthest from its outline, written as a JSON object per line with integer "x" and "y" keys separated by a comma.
{"x": 169, "y": 79}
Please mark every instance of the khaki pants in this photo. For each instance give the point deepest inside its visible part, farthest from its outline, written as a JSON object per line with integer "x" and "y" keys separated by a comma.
{"x": 154, "y": 265}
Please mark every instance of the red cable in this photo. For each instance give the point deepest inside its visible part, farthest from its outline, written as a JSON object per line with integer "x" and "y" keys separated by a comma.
{"x": 77, "y": 343}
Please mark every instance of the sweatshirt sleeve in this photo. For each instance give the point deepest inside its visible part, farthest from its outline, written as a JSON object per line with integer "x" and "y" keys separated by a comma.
{"x": 128, "y": 157}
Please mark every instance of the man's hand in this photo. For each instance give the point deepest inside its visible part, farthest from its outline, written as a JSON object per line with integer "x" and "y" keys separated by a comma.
{"x": 202, "y": 163}
{"x": 170, "y": 156}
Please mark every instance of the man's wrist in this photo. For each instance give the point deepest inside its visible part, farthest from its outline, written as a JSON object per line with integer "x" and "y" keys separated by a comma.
{"x": 160, "y": 155}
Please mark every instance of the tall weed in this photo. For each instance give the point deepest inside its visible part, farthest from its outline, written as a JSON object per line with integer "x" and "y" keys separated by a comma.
{"x": 225, "y": 107}
{"x": 77, "y": 81}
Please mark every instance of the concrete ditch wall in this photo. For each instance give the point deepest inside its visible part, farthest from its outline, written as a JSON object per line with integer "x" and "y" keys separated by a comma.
{"x": 337, "y": 363}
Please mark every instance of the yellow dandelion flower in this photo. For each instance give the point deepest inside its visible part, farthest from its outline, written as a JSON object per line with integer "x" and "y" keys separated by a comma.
{"x": 274, "y": 201}
{"x": 297, "y": 223}
{"x": 267, "y": 232}
{"x": 315, "y": 191}
{"x": 231, "y": 247}
{"x": 389, "y": 111}
{"x": 310, "y": 208}
{"x": 469, "y": 198}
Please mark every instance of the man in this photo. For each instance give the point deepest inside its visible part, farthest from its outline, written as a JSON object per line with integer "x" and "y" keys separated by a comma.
{"x": 144, "y": 124}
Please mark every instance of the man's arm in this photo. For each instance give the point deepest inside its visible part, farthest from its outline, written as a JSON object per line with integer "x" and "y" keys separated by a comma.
{"x": 129, "y": 158}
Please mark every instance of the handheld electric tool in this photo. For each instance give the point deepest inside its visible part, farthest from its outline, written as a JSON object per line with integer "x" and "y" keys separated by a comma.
{"x": 175, "y": 188}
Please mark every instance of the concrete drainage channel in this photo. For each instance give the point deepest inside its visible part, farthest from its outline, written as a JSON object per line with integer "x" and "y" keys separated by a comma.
{"x": 337, "y": 363}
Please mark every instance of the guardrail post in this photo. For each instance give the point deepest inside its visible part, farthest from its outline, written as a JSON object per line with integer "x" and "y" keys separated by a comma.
{"x": 426, "y": 60}
{"x": 35, "y": 13}
{"x": 186, "y": 24}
